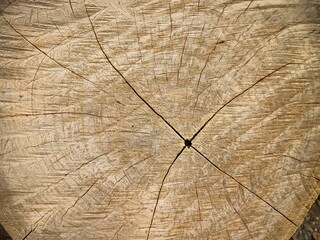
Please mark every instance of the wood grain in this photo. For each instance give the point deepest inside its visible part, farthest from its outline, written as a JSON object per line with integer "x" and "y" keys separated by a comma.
{"x": 99, "y": 97}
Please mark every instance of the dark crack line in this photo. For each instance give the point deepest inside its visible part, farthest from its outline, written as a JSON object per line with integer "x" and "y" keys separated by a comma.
{"x": 88, "y": 80}
{"x": 126, "y": 81}
{"x": 67, "y": 174}
{"x": 199, "y": 207}
{"x": 71, "y": 8}
{"x": 171, "y": 24}
{"x": 158, "y": 197}
{"x": 234, "y": 208}
{"x": 238, "y": 95}
{"x": 318, "y": 179}
{"x": 25, "y": 237}
{"x": 245, "y": 10}
{"x": 207, "y": 61}
{"x": 51, "y": 58}
{"x": 217, "y": 167}
{"x": 117, "y": 232}
{"x": 78, "y": 199}
{"x": 9, "y": 4}
{"x": 52, "y": 113}
{"x": 181, "y": 57}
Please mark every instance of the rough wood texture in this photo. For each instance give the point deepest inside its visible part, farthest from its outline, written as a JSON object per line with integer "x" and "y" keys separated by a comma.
{"x": 98, "y": 98}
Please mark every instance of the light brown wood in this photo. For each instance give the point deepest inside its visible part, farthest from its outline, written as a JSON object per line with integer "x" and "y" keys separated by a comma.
{"x": 98, "y": 98}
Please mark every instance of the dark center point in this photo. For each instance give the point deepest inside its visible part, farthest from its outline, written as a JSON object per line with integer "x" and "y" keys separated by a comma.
{"x": 187, "y": 143}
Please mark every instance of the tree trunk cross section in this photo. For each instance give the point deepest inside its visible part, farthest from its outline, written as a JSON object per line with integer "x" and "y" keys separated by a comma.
{"x": 158, "y": 119}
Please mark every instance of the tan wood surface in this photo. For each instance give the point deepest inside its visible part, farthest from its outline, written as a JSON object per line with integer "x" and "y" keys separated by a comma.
{"x": 98, "y": 98}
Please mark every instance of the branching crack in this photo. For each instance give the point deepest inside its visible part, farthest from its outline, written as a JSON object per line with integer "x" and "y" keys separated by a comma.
{"x": 51, "y": 58}
{"x": 187, "y": 142}
{"x": 242, "y": 185}
{"x": 233, "y": 98}
{"x": 158, "y": 197}
{"x": 88, "y": 80}
{"x": 126, "y": 81}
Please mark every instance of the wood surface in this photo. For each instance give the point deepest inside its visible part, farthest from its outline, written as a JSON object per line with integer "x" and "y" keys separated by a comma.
{"x": 101, "y": 99}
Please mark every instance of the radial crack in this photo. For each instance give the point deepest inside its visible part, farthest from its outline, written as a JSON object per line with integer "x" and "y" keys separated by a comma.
{"x": 126, "y": 81}
{"x": 9, "y": 4}
{"x": 27, "y": 235}
{"x": 242, "y": 185}
{"x": 51, "y": 58}
{"x": 181, "y": 57}
{"x": 71, "y": 8}
{"x": 244, "y": 10}
{"x": 52, "y": 113}
{"x": 207, "y": 61}
{"x": 170, "y": 14}
{"x": 78, "y": 199}
{"x": 158, "y": 197}
{"x": 235, "y": 210}
{"x": 233, "y": 98}
{"x": 199, "y": 208}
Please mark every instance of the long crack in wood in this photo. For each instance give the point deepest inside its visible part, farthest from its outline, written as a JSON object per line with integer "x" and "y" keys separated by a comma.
{"x": 78, "y": 199}
{"x": 158, "y": 197}
{"x": 242, "y": 185}
{"x": 27, "y": 235}
{"x": 234, "y": 208}
{"x": 126, "y": 81}
{"x": 236, "y": 96}
{"x": 53, "y": 59}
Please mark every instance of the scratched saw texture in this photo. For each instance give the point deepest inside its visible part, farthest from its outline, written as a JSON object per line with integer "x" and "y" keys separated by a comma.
{"x": 98, "y": 98}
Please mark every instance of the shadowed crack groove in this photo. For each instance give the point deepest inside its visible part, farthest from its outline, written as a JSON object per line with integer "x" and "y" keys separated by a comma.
{"x": 217, "y": 167}
{"x": 25, "y": 237}
{"x": 238, "y": 95}
{"x": 316, "y": 178}
{"x": 158, "y": 197}
{"x": 126, "y": 81}
{"x": 188, "y": 143}
{"x": 32, "y": 230}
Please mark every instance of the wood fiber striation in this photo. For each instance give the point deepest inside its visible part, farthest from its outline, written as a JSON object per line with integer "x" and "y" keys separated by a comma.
{"x": 158, "y": 119}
